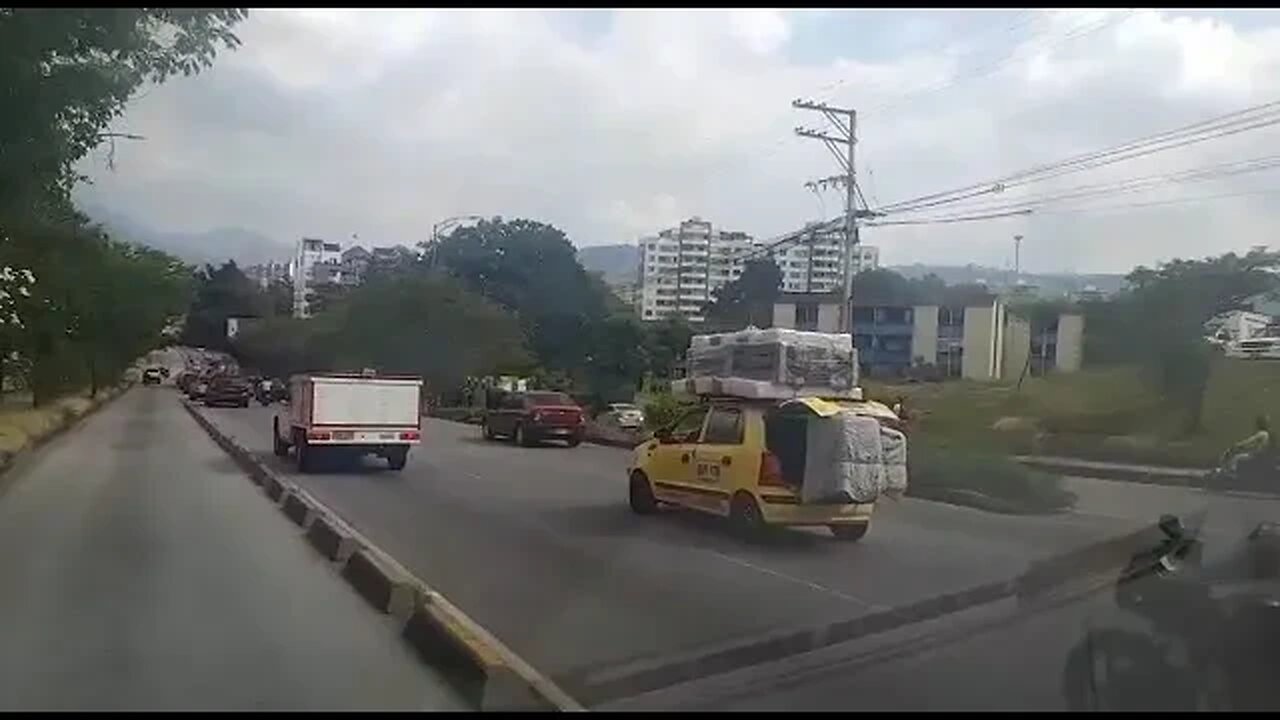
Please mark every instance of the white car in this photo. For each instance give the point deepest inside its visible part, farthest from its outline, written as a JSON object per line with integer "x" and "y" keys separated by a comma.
{"x": 623, "y": 415}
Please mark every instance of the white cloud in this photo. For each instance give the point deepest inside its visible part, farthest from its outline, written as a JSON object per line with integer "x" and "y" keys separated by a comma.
{"x": 382, "y": 122}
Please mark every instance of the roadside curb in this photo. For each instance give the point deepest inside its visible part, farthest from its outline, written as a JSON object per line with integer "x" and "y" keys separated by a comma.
{"x": 486, "y": 672}
{"x": 1115, "y": 471}
{"x": 69, "y": 421}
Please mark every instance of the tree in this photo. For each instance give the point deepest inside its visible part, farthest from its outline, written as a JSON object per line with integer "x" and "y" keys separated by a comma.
{"x": 71, "y": 72}
{"x": 666, "y": 343}
{"x": 748, "y": 299}
{"x": 531, "y": 269}
{"x": 221, "y": 293}
{"x": 1158, "y": 321}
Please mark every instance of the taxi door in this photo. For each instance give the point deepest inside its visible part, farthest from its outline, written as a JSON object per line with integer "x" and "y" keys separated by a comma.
{"x": 670, "y": 463}
{"x": 722, "y": 458}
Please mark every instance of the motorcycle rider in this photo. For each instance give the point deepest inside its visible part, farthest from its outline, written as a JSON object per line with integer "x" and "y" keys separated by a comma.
{"x": 1260, "y": 443}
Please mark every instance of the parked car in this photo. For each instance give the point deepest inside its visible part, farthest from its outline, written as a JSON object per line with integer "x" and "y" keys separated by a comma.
{"x": 622, "y": 415}
{"x": 152, "y": 376}
{"x": 231, "y": 390}
{"x": 531, "y": 417}
{"x": 197, "y": 386}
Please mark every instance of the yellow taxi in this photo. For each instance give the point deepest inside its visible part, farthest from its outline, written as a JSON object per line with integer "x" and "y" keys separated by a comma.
{"x": 737, "y": 458}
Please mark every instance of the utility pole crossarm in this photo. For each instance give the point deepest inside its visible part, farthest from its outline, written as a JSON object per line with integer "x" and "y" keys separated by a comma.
{"x": 845, "y": 122}
{"x": 805, "y": 132}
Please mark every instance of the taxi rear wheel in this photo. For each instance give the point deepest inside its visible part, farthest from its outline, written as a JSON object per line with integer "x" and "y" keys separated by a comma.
{"x": 849, "y": 533}
{"x": 641, "y": 495}
{"x": 744, "y": 515}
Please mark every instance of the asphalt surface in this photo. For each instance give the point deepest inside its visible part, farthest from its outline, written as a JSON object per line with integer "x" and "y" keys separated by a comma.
{"x": 140, "y": 570}
{"x": 538, "y": 545}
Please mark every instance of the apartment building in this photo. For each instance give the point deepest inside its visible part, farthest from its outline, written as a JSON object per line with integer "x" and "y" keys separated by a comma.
{"x": 681, "y": 267}
{"x": 314, "y": 261}
{"x": 264, "y": 274}
{"x": 813, "y": 266}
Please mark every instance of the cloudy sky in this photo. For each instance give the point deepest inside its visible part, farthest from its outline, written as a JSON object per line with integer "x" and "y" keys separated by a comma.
{"x": 612, "y": 125}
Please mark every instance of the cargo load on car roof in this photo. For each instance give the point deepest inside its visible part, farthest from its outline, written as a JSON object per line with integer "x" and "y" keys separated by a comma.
{"x": 775, "y": 363}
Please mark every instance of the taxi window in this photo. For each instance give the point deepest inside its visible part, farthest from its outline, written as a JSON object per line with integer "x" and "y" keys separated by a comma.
{"x": 689, "y": 426}
{"x": 724, "y": 427}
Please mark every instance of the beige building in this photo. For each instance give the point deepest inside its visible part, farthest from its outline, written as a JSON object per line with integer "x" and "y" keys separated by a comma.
{"x": 980, "y": 340}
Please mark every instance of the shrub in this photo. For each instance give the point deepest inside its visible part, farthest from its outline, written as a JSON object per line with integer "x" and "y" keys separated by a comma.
{"x": 952, "y": 475}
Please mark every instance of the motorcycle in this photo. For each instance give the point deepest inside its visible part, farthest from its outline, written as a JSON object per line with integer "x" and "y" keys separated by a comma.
{"x": 1210, "y": 639}
{"x": 1261, "y": 473}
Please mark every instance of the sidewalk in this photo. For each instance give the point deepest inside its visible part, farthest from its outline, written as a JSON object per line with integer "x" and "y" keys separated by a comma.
{"x": 1185, "y": 477}
{"x": 139, "y": 569}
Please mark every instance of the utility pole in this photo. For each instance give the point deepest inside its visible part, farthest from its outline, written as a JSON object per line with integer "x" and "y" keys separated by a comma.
{"x": 844, "y": 121}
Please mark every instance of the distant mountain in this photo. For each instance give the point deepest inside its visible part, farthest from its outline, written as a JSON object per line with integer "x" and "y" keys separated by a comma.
{"x": 1049, "y": 284}
{"x": 618, "y": 263}
{"x": 215, "y": 246}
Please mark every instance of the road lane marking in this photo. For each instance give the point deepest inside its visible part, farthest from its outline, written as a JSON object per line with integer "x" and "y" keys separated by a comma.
{"x": 799, "y": 581}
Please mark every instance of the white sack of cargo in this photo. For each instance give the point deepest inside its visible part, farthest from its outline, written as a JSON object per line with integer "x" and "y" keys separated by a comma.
{"x": 772, "y": 363}
{"x": 848, "y": 456}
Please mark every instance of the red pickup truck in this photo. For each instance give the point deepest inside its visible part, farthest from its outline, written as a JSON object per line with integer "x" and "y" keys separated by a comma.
{"x": 531, "y": 417}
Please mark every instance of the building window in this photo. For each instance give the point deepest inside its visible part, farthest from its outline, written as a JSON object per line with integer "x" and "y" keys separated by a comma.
{"x": 806, "y": 316}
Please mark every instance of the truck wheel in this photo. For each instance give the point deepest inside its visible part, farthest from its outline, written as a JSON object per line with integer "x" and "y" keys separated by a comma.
{"x": 304, "y": 455}
{"x": 849, "y": 533}
{"x": 486, "y": 430}
{"x": 641, "y": 495}
{"x": 744, "y": 516}
{"x": 280, "y": 447}
{"x": 396, "y": 459}
{"x": 575, "y": 441}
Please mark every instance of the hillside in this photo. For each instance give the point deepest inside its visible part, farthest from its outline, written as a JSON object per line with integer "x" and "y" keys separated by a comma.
{"x": 1050, "y": 284}
{"x": 211, "y": 246}
{"x": 618, "y": 263}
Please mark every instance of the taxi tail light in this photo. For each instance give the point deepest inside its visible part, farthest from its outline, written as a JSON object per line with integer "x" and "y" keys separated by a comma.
{"x": 410, "y": 435}
{"x": 770, "y": 470}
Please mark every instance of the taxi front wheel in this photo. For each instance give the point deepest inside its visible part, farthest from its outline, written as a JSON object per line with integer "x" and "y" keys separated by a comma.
{"x": 641, "y": 495}
{"x": 849, "y": 533}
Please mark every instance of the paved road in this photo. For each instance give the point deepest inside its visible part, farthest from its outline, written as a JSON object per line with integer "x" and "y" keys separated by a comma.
{"x": 140, "y": 570}
{"x": 538, "y": 545}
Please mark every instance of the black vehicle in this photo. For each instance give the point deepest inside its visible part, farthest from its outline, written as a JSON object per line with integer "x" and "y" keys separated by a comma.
{"x": 1209, "y": 640}
{"x": 152, "y": 376}
{"x": 229, "y": 390}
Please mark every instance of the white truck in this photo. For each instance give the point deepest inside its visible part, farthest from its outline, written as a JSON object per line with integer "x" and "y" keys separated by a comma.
{"x": 349, "y": 415}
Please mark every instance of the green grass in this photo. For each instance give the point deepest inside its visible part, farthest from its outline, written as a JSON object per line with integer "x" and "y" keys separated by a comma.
{"x": 22, "y": 426}
{"x": 1104, "y": 414}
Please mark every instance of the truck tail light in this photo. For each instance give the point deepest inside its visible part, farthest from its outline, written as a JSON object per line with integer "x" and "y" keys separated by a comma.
{"x": 410, "y": 435}
{"x": 770, "y": 470}
{"x": 314, "y": 435}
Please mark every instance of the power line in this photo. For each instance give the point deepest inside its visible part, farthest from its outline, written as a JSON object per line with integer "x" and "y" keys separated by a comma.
{"x": 1084, "y": 29}
{"x": 1131, "y": 185}
{"x": 949, "y": 219}
{"x": 1231, "y": 123}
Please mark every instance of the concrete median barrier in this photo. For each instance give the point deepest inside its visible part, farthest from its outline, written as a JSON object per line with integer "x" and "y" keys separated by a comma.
{"x": 327, "y": 536}
{"x": 482, "y": 668}
{"x": 383, "y": 586}
{"x": 297, "y": 509}
{"x": 273, "y": 487}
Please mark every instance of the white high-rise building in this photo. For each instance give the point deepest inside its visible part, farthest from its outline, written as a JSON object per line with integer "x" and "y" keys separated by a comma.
{"x": 681, "y": 267}
{"x": 814, "y": 266}
{"x": 314, "y": 261}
